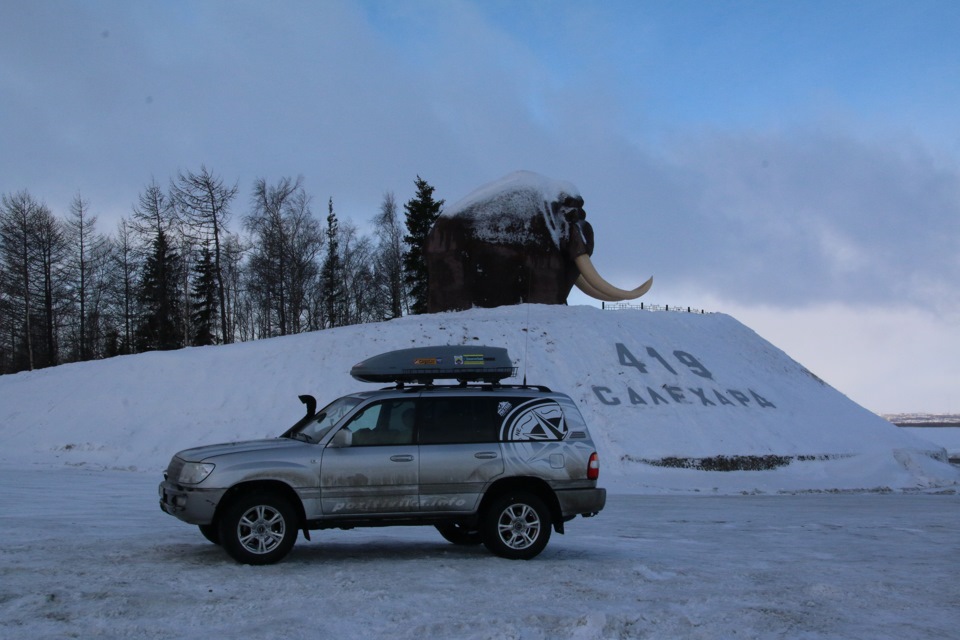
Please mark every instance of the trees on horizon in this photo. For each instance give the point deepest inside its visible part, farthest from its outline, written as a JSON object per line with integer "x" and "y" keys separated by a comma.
{"x": 175, "y": 273}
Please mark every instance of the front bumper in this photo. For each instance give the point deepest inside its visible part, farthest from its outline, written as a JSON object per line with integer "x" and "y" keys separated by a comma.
{"x": 193, "y": 505}
{"x": 585, "y": 502}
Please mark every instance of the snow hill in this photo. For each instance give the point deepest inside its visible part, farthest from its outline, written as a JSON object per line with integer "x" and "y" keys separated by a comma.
{"x": 655, "y": 388}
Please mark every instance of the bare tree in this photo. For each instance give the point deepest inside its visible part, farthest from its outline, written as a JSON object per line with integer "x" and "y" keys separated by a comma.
{"x": 88, "y": 252}
{"x": 32, "y": 248}
{"x": 154, "y": 212}
{"x": 123, "y": 267}
{"x": 361, "y": 299}
{"x": 283, "y": 261}
{"x": 203, "y": 201}
{"x": 389, "y": 256}
{"x": 52, "y": 255}
{"x": 19, "y": 214}
{"x": 269, "y": 262}
{"x": 232, "y": 255}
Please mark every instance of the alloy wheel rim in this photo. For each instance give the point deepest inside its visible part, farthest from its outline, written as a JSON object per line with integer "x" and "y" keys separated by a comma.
{"x": 261, "y": 529}
{"x": 519, "y": 526}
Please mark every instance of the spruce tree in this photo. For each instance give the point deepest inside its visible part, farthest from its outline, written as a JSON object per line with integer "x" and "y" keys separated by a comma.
{"x": 422, "y": 211}
{"x": 331, "y": 273}
{"x": 203, "y": 296}
{"x": 160, "y": 323}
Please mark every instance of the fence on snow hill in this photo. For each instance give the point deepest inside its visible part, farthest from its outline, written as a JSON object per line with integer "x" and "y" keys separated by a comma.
{"x": 618, "y": 306}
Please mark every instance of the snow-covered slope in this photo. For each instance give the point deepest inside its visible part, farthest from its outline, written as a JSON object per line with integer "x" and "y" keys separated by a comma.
{"x": 650, "y": 385}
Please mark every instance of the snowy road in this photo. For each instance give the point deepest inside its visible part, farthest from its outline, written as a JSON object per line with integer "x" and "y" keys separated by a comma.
{"x": 89, "y": 554}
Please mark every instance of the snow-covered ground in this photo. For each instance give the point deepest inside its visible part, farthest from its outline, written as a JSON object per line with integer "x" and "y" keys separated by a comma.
{"x": 857, "y": 543}
{"x": 946, "y": 437}
{"x": 650, "y": 385}
{"x": 88, "y": 554}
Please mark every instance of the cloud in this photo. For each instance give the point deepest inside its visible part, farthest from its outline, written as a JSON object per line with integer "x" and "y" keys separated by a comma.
{"x": 890, "y": 359}
{"x": 360, "y": 98}
{"x": 802, "y": 216}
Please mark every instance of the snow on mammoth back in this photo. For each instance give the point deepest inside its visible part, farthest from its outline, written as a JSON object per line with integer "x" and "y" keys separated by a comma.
{"x": 502, "y": 210}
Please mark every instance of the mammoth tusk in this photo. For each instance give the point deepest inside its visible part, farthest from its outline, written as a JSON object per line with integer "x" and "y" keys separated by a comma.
{"x": 589, "y": 275}
{"x": 593, "y": 293}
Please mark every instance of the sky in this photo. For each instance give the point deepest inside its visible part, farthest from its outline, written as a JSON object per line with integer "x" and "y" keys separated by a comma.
{"x": 793, "y": 164}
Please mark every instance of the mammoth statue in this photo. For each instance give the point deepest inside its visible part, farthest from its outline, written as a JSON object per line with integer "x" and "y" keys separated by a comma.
{"x": 523, "y": 238}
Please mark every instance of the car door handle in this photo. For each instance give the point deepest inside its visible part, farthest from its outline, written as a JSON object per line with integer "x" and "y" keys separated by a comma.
{"x": 402, "y": 458}
{"x": 485, "y": 455}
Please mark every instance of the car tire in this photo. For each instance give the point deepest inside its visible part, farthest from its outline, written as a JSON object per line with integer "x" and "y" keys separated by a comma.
{"x": 211, "y": 532}
{"x": 516, "y": 526}
{"x": 258, "y": 528}
{"x": 459, "y": 534}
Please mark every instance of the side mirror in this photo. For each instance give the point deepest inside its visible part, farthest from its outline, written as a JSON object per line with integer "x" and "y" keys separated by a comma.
{"x": 342, "y": 438}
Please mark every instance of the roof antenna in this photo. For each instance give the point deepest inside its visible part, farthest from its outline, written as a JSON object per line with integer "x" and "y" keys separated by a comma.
{"x": 526, "y": 339}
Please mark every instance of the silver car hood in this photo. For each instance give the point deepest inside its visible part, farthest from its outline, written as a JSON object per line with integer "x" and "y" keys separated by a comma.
{"x": 199, "y": 454}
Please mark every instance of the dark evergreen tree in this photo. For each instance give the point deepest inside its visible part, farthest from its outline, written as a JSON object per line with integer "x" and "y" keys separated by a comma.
{"x": 160, "y": 323}
{"x": 422, "y": 211}
{"x": 203, "y": 295}
{"x": 331, "y": 273}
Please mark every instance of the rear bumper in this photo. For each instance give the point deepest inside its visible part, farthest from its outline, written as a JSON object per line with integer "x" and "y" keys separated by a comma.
{"x": 585, "y": 502}
{"x": 195, "y": 506}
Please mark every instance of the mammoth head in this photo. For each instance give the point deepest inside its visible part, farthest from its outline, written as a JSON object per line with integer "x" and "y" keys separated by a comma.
{"x": 574, "y": 237}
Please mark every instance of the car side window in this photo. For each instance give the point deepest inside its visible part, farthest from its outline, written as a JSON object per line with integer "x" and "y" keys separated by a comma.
{"x": 459, "y": 420}
{"x": 384, "y": 423}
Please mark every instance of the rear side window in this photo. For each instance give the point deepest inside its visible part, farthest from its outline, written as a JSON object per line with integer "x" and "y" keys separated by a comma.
{"x": 383, "y": 423}
{"x": 461, "y": 420}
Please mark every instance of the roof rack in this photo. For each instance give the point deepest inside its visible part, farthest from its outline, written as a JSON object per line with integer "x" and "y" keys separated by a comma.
{"x": 423, "y": 365}
{"x": 486, "y": 386}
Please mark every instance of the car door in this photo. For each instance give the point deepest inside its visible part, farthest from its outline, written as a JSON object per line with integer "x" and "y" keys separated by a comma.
{"x": 459, "y": 451}
{"x": 378, "y": 472}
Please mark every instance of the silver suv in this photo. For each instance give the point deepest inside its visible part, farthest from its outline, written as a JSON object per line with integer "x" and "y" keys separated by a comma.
{"x": 483, "y": 463}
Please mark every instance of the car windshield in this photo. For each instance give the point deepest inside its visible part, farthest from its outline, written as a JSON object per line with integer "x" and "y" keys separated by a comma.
{"x": 313, "y": 428}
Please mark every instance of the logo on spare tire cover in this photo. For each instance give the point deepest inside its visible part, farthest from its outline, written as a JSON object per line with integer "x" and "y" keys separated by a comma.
{"x": 534, "y": 421}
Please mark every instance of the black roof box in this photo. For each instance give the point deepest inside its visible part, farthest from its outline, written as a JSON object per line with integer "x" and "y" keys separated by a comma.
{"x": 423, "y": 365}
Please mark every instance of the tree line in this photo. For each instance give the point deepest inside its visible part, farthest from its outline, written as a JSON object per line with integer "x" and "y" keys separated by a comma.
{"x": 193, "y": 265}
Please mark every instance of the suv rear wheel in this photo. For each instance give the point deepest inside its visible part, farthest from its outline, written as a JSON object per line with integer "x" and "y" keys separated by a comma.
{"x": 516, "y": 526}
{"x": 258, "y": 528}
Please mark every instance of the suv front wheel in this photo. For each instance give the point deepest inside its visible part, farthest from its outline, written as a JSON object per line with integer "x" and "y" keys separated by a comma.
{"x": 516, "y": 526}
{"x": 258, "y": 528}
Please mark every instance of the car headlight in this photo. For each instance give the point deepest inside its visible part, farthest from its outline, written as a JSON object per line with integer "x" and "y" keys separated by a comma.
{"x": 195, "y": 472}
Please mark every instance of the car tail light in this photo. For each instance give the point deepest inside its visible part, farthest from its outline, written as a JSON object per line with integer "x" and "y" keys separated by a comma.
{"x": 593, "y": 467}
